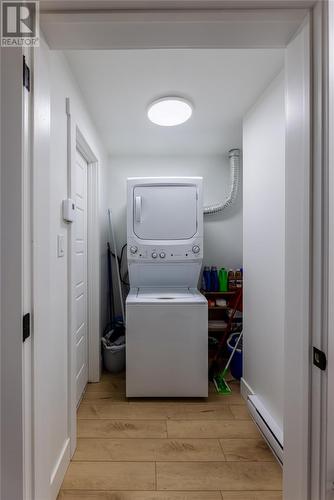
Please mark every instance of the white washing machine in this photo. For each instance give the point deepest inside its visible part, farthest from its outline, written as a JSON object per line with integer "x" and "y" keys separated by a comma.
{"x": 166, "y": 316}
{"x": 167, "y": 343}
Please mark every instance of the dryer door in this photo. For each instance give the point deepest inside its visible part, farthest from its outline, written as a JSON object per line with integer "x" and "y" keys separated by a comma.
{"x": 165, "y": 212}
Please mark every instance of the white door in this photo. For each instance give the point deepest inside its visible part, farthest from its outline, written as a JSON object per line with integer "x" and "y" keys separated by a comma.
{"x": 13, "y": 276}
{"x": 80, "y": 274}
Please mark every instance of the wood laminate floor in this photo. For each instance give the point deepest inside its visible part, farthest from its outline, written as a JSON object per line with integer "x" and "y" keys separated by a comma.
{"x": 158, "y": 449}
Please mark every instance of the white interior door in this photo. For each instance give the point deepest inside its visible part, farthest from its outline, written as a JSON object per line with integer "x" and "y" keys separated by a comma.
{"x": 80, "y": 275}
{"x": 12, "y": 271}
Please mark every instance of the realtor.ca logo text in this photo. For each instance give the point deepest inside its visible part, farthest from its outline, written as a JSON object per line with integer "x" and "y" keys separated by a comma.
{"x": 19, "y": 24}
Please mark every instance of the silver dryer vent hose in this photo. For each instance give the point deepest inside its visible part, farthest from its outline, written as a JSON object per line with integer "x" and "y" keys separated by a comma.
{"x": 234, "y": 157}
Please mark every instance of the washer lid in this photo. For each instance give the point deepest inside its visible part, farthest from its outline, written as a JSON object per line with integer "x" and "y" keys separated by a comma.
{"x": 167, "y": 295}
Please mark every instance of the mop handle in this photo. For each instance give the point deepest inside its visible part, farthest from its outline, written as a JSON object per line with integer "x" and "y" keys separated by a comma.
{"x": 232, "y": 353}
{"x": 113, "y": 242}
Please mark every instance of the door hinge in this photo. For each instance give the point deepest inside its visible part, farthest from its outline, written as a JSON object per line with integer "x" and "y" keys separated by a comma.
{"x": 319, "y": 359}
{"x": 26, "y": 326}
{"x": 26, "y": 75}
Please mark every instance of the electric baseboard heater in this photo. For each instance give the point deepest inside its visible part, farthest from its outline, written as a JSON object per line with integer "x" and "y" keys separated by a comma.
{"x": 267, "y": 426}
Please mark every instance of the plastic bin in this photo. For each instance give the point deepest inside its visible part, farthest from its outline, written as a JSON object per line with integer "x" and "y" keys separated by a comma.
{"x": 114, "y": 354}
{"x": 236, "y": 363}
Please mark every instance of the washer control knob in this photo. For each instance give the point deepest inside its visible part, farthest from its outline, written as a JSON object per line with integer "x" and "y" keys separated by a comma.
{"x": 133, "y": 250}
{"x": 162, "y": 255}
{"x": 196, "y": 249}
{"x": 154, "y": 255}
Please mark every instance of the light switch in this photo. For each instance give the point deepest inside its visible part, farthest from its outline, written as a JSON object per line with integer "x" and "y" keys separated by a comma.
{"x": 61, "y": 245}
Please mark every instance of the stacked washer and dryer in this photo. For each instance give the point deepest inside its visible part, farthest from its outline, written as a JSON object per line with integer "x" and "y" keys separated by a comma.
{"x": 166, "y": 315}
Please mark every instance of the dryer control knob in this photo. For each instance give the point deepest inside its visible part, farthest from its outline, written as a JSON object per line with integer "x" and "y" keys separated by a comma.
{"x": 196, "y": 249}
{"x": 133, "y": 250}
{"x": 154, "y": 255}
{"x": 162, "y": 255}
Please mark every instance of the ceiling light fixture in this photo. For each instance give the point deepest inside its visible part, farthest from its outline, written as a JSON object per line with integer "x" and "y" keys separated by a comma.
{"x": 169, "y": 111}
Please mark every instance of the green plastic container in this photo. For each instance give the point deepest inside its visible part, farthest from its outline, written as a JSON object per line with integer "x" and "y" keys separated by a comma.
{"x": 223, "y": 280}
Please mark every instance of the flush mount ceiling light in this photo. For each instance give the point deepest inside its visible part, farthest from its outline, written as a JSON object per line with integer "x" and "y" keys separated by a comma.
{"x": 169, "y": 111}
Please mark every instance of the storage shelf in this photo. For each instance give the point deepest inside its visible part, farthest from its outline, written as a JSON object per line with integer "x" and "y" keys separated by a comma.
{"x": 222, "y": 308}
{"x": 232, "y": 292}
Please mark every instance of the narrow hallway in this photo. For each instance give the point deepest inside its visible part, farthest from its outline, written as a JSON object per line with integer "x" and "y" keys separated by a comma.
{"x": 171, "y": 449}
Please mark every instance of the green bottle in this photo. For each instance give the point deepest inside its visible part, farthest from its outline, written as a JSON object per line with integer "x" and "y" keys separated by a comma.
{"x": 223, "y": 280}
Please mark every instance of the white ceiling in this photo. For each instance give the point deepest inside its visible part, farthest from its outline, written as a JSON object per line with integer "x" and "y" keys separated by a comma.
{"x": 222, "y": 83}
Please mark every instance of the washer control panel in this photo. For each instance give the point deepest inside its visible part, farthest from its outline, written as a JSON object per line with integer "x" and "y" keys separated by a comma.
{"x": 165, "y": 253}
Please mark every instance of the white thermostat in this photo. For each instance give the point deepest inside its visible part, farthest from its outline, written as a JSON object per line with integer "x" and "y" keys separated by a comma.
{"x": 68, "y": 210}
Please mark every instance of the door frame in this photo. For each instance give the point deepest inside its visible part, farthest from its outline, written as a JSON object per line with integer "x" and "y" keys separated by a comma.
{"x": 298, "y": 265}
{"x": 7, "y": 260}
{"x": 77, "y": 141}
{"x": 323, "y": 465}
{"x": 144, "y": 35}
{"x": 328, "y": 438}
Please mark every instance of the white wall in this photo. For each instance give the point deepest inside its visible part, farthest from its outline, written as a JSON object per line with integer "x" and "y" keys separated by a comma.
{"x": 263, "y": 247}
{"x": 62, "y": 85}
{"x": 222, "y": 232}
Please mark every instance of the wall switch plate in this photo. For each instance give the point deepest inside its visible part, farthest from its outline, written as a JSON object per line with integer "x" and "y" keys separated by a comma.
{"x": 68, "y": 210}
{"x": 60, "y": 245}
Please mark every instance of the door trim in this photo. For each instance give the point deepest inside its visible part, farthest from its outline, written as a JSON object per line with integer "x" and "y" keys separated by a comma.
{"x": 298, "y": 261}
{"x": 327, "y": 378}
{"x": 146, "y": 14}
{"x": 77, "y": 141}
{"x": 328, "y": 438}
{"x": 269, "y": 28}
{"x": 321, "y": 246}
{"x": 142, "y": 27}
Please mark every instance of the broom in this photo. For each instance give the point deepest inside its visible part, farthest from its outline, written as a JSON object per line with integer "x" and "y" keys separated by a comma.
{"x": 219, "y": 380}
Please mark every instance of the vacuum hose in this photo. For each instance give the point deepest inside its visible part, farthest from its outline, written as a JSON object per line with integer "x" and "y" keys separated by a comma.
{"x": 234, "y": 156}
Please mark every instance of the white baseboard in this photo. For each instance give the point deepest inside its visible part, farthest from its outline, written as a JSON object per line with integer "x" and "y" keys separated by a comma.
{"x": 59, "y": 470}
{"x": 245, "y": 389}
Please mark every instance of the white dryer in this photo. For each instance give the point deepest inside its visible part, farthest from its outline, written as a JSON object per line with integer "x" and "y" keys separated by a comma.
{"x": 166, "y": 316}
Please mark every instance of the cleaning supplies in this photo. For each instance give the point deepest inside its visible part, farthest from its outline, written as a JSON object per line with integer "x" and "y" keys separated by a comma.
{"x": 219, "y": 380}
{"x": 214, "y": 279}
{"x": 231, "y": 279}
{"x": 223, "y": 280}
{"x": 203, "y": 284}
{"x": 238, "y": 278}
{"x": 207, "y": 278}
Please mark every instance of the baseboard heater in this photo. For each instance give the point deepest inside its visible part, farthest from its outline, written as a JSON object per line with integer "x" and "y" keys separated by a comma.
{"x": 267, "y": 426}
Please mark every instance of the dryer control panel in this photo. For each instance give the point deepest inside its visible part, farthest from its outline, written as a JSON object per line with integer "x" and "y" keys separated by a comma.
{"x": 156, "y": 253}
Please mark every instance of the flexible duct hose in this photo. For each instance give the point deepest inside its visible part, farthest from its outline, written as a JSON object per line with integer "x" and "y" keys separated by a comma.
{"x": 234, "y": 156}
